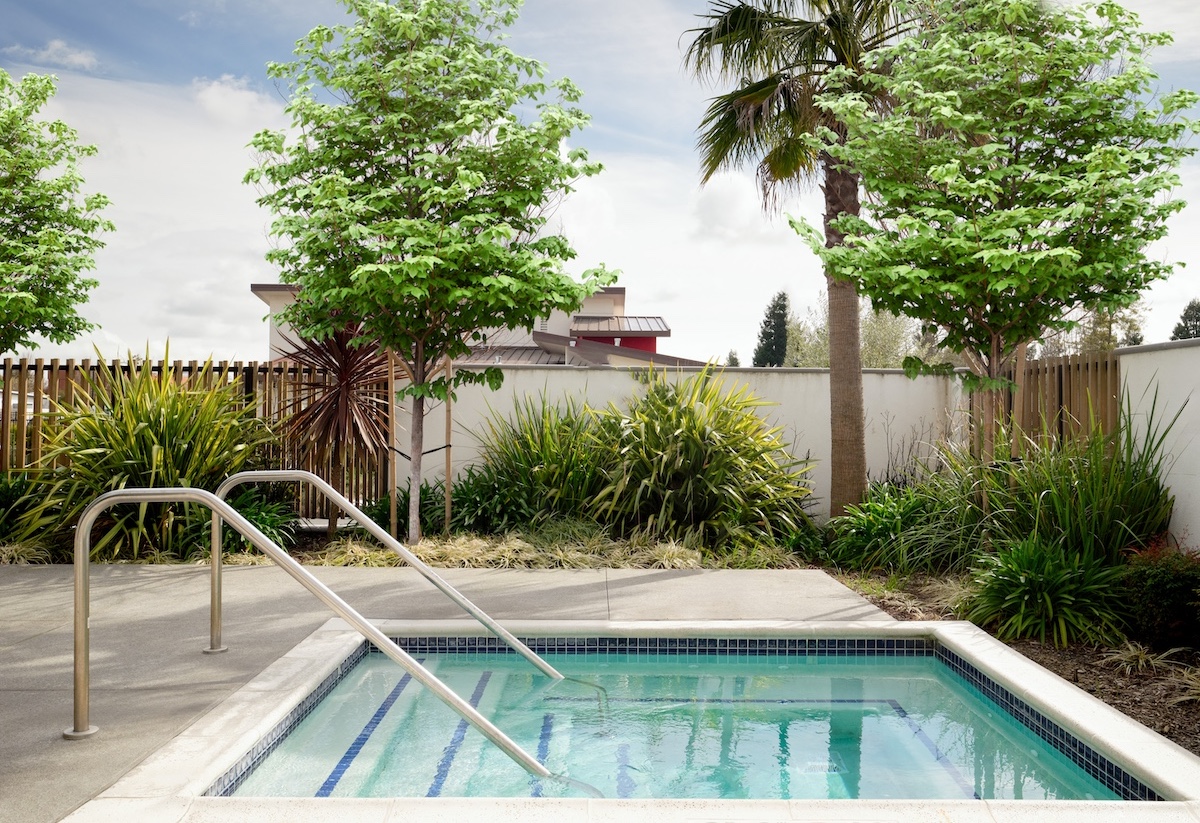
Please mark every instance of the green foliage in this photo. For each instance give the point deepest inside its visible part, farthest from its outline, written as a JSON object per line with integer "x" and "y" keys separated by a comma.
{"x": 693, "y": 462}
{"x": 482, "y": 504}
{"x": 773, "y": 333}
{"x": 1162, "y": 591}
{"x": 1098, "y": 495}
{"x": 432, "y": 508}
{"x": 275, "y": 518}
{"x": 689, "y": 462}
{"x": 412, "y": 192}
{"x": 48, "y": 231}
{"x": 1022, "y": 171}
{"x": 1188, "y": 326}
{"x": 132, "y": 428}
{"x": 547, "y": 454}
{"x": 14, "y": 502}
{"x": 902, "y": 529}
{"x": 1033, "y": 589}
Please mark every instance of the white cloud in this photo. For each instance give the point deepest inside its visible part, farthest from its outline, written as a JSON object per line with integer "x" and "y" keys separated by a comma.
{"x": 189, "y": 238}
{"x": 230, "y": 101}
{"x": 56, "y": 53}
{"x": 707, "y": 260}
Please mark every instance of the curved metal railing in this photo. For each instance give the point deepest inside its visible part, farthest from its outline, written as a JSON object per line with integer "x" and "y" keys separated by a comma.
{"x": 376, "y": 531}
{"x": 82, "y": 680}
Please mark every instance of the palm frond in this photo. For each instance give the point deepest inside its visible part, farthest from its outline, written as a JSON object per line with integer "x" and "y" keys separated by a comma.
{"x": 778, "y": 54}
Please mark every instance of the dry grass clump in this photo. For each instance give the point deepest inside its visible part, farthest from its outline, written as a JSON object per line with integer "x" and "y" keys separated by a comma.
{"x": 560, "y": 544}
{"x": 23, "y": 553}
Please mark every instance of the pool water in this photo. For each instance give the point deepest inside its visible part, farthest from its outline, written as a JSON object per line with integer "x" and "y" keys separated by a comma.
{"x": 670, "y": 726}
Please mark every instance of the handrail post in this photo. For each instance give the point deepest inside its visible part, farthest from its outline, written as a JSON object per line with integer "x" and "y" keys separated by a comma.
{"x": 215, "y": 556}
{"x": 83, "y": 626}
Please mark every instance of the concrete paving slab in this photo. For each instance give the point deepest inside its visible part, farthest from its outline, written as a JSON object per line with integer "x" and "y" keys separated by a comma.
{"x": 149, "y": 623}
{"x": 785, "y": 594}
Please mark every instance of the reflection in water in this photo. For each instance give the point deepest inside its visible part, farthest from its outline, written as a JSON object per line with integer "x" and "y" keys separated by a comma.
{"x": 846, "y": 731}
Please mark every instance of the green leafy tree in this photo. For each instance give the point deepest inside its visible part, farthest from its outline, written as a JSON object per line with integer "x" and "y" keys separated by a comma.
{"x": 1019, "y": 174}
{"x": 772, "y": 334}
{"x": 412, "y": 197}
{"x": 732, "y": 359}
{"x": 48, "y": 228}
{"x": 779, "y": 54}
{"x": 886, "y": 339}
{"x": 1188, "y": 326}
{"x": 808, "y": 339}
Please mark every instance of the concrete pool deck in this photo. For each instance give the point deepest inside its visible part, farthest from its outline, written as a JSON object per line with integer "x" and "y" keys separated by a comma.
{"x": 150, "y": 680}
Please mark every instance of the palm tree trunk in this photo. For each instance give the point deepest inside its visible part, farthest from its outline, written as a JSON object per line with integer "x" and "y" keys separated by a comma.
{"x": 848, "y": 457}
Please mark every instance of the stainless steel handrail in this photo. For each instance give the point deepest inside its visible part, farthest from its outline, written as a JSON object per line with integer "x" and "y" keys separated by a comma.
{"x": 379, "y": 534}
{"x": 83, "y": 531}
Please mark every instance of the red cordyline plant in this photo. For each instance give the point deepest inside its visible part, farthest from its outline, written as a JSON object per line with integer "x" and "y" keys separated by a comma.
{"x": 342, "y": 402}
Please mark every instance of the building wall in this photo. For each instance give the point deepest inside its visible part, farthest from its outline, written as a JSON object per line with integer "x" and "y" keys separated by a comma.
{"x": 1158, "y": 382}
{"x": 903, "y": 416}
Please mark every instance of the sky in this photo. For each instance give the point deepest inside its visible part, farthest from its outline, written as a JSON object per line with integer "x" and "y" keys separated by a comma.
{"x": 171, "y": 92}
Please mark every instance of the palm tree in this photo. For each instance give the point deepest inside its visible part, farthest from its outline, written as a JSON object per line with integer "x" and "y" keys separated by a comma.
{"x": 780, "y": 53}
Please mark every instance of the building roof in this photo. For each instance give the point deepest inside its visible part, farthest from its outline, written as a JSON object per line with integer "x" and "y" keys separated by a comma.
{"x": 510, "y": 355}
{"x": 620, "y": 326}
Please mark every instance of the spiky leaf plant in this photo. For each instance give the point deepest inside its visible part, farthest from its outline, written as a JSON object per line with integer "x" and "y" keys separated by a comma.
{"x": 134, "y": 428}
{"x": 692, "y": 461}
{"x": 1036, "y": 589}
{"x": 341, "y": 404}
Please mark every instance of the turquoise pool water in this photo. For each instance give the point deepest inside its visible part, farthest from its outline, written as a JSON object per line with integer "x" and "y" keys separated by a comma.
{"x": 671, "y": 726}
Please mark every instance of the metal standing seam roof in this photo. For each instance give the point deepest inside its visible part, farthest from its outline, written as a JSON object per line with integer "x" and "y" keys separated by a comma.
{"x": 511, "y": 355}
{"x": 623, "y": 326}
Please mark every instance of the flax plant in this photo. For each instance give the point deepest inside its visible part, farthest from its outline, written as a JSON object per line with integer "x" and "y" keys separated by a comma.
{"x": 539, "y": 462}
{"x": 133, "y": 428}
{"x": 694, "y": 462}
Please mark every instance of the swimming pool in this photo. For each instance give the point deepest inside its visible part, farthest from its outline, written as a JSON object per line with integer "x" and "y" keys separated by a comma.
{"x": 202, "y": 763}
{"x": 729, "y": 721}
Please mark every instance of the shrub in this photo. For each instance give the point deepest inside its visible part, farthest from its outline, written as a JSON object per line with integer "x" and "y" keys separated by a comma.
{"x": 139, "y": 430}
{"x": 903, "y": 529}
{"x": 14, "y": 502}
{"x": 693, "y": 462}
{"x": 539, "y": 462}
{"x": 1161, "y": 589}
{"x": 1098, "y": 494}
{"x": 271, "y": 515}
{"x": 482, "y": 503}
{"x": 1031, "y": 589}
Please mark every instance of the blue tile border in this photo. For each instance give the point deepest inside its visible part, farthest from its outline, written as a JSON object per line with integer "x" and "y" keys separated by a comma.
{"x": 228, "y": 783}
{"x": 787, "y": 647}
{"x": 1123, "y": 784}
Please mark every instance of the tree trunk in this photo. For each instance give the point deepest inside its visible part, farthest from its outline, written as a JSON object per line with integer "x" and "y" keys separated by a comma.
{"x": 416, "y": 446}
{"x": 848, "y": 457}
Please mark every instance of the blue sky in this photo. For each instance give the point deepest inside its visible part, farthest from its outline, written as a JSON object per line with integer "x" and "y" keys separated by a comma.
{"x": 172, "y": 90}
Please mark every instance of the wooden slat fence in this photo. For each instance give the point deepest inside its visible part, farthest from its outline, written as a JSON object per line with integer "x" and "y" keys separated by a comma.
{"x": 32, "y": 389}
{"x": 1064, "y": 397}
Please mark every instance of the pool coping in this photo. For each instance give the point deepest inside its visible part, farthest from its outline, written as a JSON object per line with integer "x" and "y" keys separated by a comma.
{"x": 170, "y": 784}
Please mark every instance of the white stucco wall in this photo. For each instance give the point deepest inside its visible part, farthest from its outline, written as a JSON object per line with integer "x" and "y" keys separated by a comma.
{"x": 1165, "y": 377}
{"x": 900, "y": 414}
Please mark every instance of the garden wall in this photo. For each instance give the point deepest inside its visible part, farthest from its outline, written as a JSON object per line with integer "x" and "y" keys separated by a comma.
{"x": 903, "y": 416}
{"x": 1163, "y": 377}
